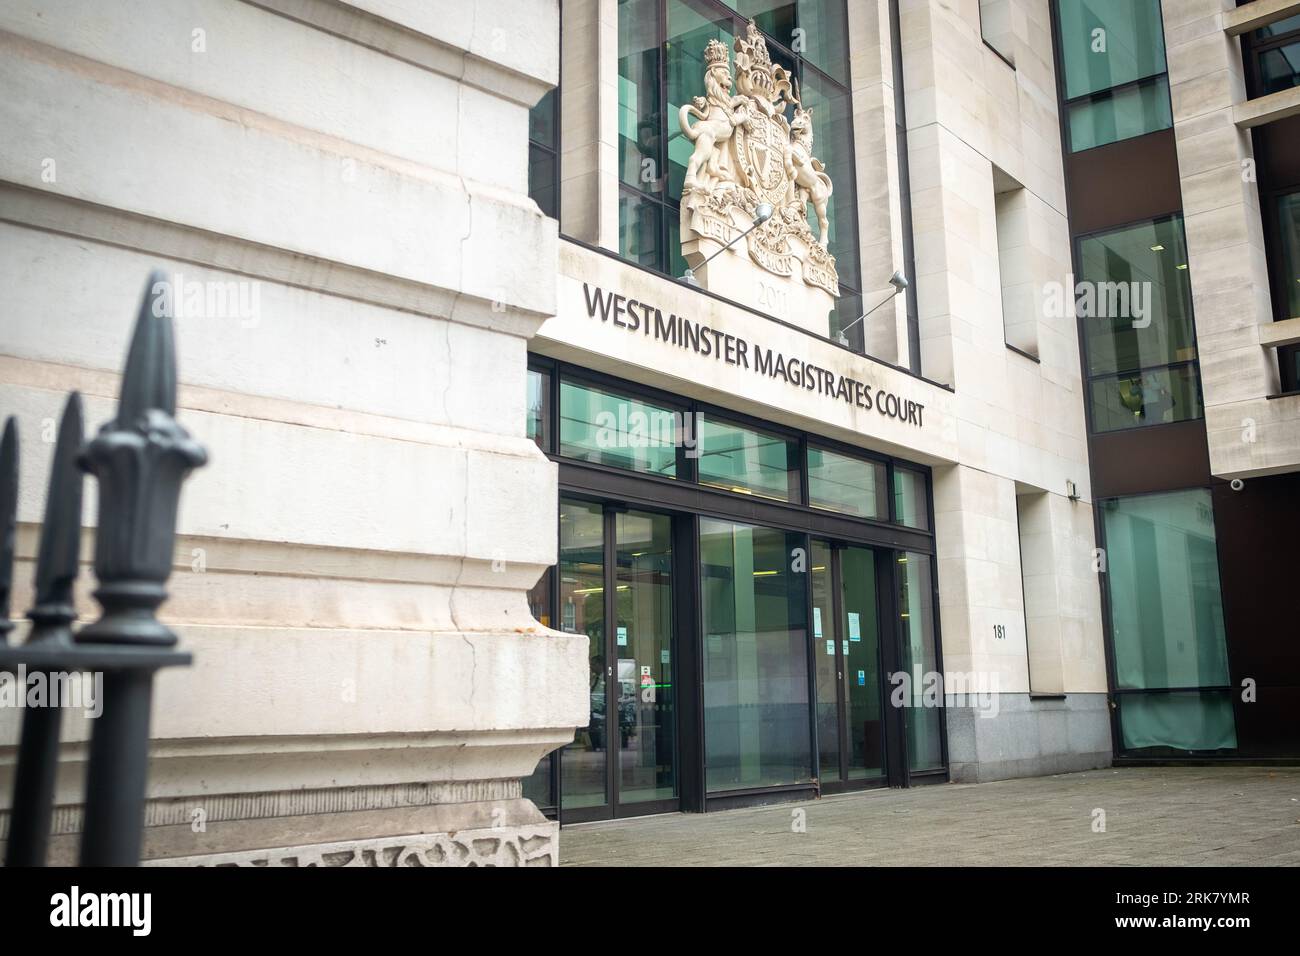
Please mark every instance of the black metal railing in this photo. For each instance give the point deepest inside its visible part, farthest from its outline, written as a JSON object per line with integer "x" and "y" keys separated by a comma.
{"x": 140, "y": 459}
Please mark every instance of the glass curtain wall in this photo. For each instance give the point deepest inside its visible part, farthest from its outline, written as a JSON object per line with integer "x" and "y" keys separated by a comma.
{"x": 1167, "y": 632}
{"x": 1138, "y": 331}
{"x": 661, "y": 68}
{"x": 1113, "y": 70}
{"x": 771, "y": 665}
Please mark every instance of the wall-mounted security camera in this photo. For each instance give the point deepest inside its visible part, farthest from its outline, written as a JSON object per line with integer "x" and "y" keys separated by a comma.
{"x": 1236, "y": 484}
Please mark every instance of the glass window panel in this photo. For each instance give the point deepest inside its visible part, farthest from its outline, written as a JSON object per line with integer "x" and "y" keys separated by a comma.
{"x": 756, "y": 707}
{"x": 582, "y": 611}
{"x": 911, "y": 501}
{"x": 920, "y": 658}
{"x": 833, "y": 145}
{"x": 1289, "y": 220}
{"x": 640, "y": 232}
{"x": 849, "y": 485}
{"x": 824, "y": 637}
{"x": 817, "y": 30}
{"x": 643, "y": 640}
{"x": 607, "y": 428}
{"x": 542, "y": 125}
{"x": 1279, "y": 68}
{"x": 1184, "y": 721}
{"x": 538, "y": 412}
{"x": 1162, "y": 575}
{"x": 860, "y": 645}
{"x": 1132, "y": 111}
{"x": 1105, "y": 43}
{"x": 690, "y": 28}
{"x": 640, "y": 134}
{"x": 995, "y": 27}
{"x": 543, "y": 169}
{"x": 1279, "y": 28}
{"x": 1151, "y": 397}
{"x": 847, "y": 309}
{"x": 747, "y": 460}
{"x": 1137, "y": 309}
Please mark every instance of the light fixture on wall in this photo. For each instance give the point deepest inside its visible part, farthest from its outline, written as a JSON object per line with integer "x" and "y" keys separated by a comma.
{"x": 1071, "y": 489}
{"x": 762, "y": 213}
{"x": 898, "y": 281}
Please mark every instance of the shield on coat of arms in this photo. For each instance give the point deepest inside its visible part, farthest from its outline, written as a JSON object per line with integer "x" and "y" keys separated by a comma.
{"x": 760, "y": 154}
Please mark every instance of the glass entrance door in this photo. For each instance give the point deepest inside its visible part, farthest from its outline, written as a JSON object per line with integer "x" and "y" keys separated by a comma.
{"x": 615, "y": 571}
{"x": 846, "y": 648}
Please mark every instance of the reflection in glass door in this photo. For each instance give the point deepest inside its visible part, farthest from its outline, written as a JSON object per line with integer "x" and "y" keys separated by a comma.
{"x": 616, "y": 566}
{"x": 860, "y": 647}
{"x": 846, "y": 649}
{"x": 582, "y": 611}
{"x": 643, "y": 649}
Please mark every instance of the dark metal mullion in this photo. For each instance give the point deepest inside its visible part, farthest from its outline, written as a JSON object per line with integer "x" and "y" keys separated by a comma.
{"x": 1129, "y": 373}
{"x": 1207, "y": 688}
{"x": 1109, "y": 92}
{"x": 810, "y": 654}
{"x": 889, "y": 660}
{"x": 612, "y": 746}
{"x": 841, "y": 664}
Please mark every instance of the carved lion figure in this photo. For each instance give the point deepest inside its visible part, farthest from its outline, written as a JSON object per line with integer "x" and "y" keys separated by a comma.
{"x": 718, "y": 113}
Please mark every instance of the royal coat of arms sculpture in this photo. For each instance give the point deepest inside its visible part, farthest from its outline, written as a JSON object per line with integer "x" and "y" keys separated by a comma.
{"x": 747, "y": 152}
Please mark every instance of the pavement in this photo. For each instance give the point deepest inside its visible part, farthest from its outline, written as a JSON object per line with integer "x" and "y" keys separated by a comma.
{"x": 1165, "y": 816}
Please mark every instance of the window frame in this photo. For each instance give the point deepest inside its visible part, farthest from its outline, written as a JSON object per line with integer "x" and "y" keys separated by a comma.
{"x": 1067, "y": 103}
{"x": 1085, "y": 364}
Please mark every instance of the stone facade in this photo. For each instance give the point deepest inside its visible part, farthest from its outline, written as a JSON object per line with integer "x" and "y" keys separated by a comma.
{"x": 350, "y": 570}
{"x": 1003, "y": 428}
{"x": 1249, "y": 433}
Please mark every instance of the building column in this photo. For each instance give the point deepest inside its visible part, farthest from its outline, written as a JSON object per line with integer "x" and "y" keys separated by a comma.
{"x": 1227, "y": 263}
{"x": 351, "y": 569}
{"x": 589, "y": 122}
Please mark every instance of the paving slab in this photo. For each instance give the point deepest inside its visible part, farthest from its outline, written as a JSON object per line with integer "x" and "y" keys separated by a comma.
{"x": 1179, "y": 816}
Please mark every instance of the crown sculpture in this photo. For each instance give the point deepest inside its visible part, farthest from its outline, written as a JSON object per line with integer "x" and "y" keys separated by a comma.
{"x": 745, "y": 153}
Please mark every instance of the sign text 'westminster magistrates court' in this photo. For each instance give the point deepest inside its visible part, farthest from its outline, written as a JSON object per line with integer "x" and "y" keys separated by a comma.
{"x": 645, "y": 319}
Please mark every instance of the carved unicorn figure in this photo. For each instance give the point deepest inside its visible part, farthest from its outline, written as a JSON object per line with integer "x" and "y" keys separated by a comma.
{"x": 718, "y": 114}
{"x": 807, "y": 173}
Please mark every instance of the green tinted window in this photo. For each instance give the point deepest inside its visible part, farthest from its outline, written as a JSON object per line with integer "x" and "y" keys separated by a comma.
{"x": 1165, "y": 605}
{"x": 849, "y": 485}
{"x": 911, "y": 504}
{"x": 607, "y": 428}
{"x": 833, "y": 145}
{"x": 640, "y": 229}
{"x": 815, "y": 29}
{"x": 1136, "y": 309}
{"x": 690, "y": 28}
{"x": 920, "y": 657}
{"x": 1122, "y": 114}
{"x": 1106, "y": 43}
{"x": 538, "y": 412}
{"x": 747, "y": 460}
{"x": 1166, "y": 611}
{"x": 1152, "y": 397}
{"x": 640, "y": 140}
{"x": 754, "y": 612}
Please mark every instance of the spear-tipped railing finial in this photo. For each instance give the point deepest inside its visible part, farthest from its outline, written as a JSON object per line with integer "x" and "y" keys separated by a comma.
{"x": 57, "y": 560}
{"x": 140, "y": 458}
